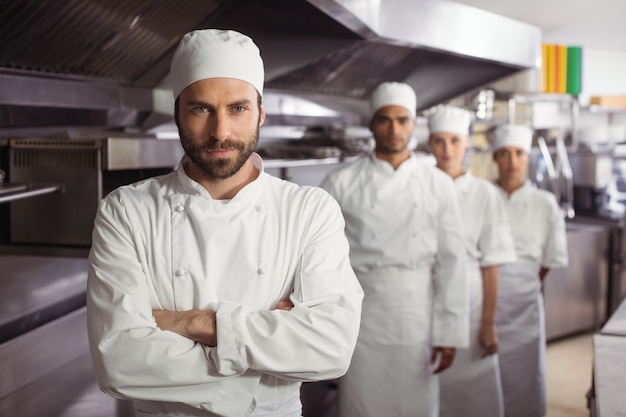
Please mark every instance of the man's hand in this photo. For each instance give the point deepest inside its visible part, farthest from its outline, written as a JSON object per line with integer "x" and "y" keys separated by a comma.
{"x": 445, "y": 356}
{"x": 197, "y": 325}
{"x": 284, "y": 305}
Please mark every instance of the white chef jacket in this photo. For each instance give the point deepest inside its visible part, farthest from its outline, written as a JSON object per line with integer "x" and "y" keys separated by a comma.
{"x": 164, "y": 243}
{"x": 471, "y": 386}
{"x": 402, "y": 224}
{"x": 486, "y": 230}
{"x": 537, "y": 225}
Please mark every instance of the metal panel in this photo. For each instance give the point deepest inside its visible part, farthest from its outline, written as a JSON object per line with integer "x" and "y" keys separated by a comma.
{"x": 576, "y": 296}
{"x": 35, "y": 290}
{"x": 135, "y": 153}
{"x": 61, "y": 218}
{"x": 592, "y": 169}
{"x": 616, "y": 324}
{"x": 440, "y": 25}
{"x": 609, "y": 377}
{"x": 68, "y": 391}
{"x": 32, "y": 355}
{"x": 22, "y": 90}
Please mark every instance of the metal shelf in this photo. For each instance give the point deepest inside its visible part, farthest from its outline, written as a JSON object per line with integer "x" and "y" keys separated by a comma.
{"x": 32, "y": 190}
{"x": 290, "y": 163}
{"x": 543, "y": 97}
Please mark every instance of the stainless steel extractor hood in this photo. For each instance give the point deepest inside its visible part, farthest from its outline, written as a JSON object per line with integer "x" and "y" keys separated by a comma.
{"x": 443, "y": 49}
{"x": 98, "y": 64}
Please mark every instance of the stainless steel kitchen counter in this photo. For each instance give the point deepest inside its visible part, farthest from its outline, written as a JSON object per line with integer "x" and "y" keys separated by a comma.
{"x": 290, "y": 163}
{"x": 609, "y": 366}
{"x": 44, "y": 352}
{"x": 68, "y": 391}
{"x": 35, "y": 290}
{"x": 616, "y": 324}
{"x": 609, "y": 375}
{"x": 48, "y": 372}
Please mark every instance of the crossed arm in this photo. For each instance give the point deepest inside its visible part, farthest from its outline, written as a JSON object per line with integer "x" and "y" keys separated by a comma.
{"x": 197, "y": 325}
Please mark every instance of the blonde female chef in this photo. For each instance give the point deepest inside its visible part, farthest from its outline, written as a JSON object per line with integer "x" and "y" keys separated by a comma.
{"x": 538, "y": 229}
{"x": 472, "y": 384}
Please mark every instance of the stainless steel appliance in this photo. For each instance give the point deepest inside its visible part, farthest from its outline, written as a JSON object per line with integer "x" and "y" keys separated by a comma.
{"x": 617, "y": 187}
{"x": 576, "y": 296}
{"x": 87, "y": 170}
{"x": 593, "y": 173}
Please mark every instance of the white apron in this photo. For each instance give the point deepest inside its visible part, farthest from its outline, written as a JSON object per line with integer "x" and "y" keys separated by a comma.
{"x": 390, "y": 373}
{"x": 521, "y": 329}
{"x": 402, "y": 224}
{"x": 471, "y": 386}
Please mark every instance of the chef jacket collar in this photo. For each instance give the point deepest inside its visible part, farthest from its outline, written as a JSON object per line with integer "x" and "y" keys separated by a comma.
{"x": 519, "y": 193}
{"x": 386, "y": 168}
{"x": 194, "y": 188}
{"x": 463, "y": 181}
{"x": 464, "y": 177}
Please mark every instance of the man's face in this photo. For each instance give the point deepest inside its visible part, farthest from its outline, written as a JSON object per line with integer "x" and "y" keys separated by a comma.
{"x": 218, "y": 122}
{"x": 392, "y": 127}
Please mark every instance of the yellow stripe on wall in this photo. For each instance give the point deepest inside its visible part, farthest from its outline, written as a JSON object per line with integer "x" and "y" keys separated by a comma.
{"x": 561, "y": 86}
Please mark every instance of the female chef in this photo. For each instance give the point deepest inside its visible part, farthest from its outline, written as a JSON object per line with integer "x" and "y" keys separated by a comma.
{"x": 538, "y": 229}
{"x": 472, "y": 384}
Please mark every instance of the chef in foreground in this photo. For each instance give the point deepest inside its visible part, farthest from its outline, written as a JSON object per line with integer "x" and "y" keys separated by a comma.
{"x": 217, "y": 289}
{"x": 403, "y": 224}
{"x": 538, "y": 228}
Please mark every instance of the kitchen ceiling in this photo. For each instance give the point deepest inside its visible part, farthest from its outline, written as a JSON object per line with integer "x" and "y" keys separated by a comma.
{"x": 594, "y": 24}
{"x": 98, "y": 62}
{"x": 114, "y": 40}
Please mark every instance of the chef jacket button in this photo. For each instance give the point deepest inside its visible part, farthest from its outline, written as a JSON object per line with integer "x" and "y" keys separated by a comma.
{"x": 259, "y": 208}
{"x": 179, "y": 208}
{"x": 180, "y": 273}
{"x": 374, "y": 236}
{"x": 378, "y": 263}
{"x": 414, "y": 235}
{"x": 261, "y": 270}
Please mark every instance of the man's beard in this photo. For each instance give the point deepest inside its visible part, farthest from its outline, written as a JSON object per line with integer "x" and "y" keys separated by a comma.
{"x": 384, "y": 149}
{"x": 221, "y": 168}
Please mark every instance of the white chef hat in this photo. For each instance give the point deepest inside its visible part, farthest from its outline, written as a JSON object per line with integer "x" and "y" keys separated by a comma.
{"x": 517, "y": 136}
{"x": 216, "y": 53}
{"x": 450, "y": 119}
{"x": 393, "y": 94}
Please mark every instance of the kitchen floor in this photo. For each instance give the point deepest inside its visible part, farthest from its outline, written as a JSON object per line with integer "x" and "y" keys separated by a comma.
{"x": 568, "y": 379}
{"x": 568, "y": 375}
{"x": 568, "y": 363}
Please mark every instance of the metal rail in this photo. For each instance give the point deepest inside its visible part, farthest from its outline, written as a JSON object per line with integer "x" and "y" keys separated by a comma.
{"x": 31, "y": 191}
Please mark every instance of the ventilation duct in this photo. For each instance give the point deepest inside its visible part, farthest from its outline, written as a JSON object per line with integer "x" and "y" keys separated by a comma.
{"x": 95, "y": 63}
